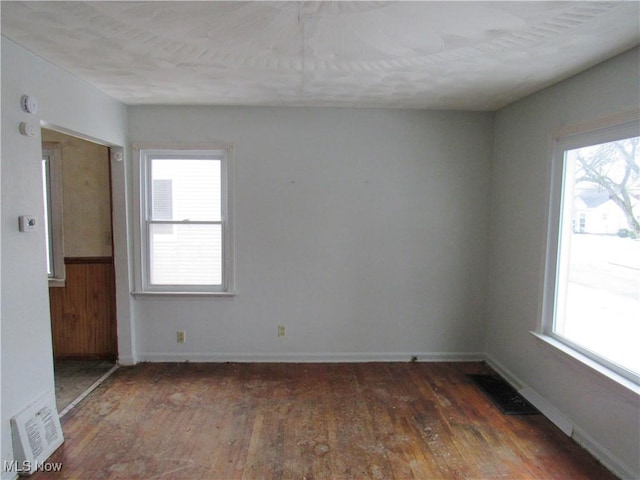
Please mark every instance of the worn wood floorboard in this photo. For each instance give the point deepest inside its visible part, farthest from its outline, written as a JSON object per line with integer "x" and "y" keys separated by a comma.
{"x": 308, "y": 421}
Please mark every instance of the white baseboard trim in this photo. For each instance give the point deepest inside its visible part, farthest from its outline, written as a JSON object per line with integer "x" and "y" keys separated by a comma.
{"x": 537, "y": 400}
{"x": 603, "y": 455}
{"x": 338, "y": 357}
{"x": 563, "y": 422}
{"x": 548, "y": 410}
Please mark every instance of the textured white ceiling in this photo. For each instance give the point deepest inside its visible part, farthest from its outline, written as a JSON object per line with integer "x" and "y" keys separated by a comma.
{"x": 443, "y": 55}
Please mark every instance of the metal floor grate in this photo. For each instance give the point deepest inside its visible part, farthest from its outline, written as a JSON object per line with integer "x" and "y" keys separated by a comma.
{"x": 503, "y": 395}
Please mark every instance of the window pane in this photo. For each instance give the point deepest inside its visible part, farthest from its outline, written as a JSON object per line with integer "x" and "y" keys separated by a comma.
{"x": 189, "y": 255}
{"x": 598, "y": 291}
{"x": 186, "y": 189}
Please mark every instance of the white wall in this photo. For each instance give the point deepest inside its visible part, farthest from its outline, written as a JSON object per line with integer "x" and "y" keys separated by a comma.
{"x": 363, "y": 232}
{"x": 604, "y": 414}
{"x": 27, "y": 362}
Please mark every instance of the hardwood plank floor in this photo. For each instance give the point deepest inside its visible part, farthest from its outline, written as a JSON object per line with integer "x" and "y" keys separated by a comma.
{"x": 308, "y": 421}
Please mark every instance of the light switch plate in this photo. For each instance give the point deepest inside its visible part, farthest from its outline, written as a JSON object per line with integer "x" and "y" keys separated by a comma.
{"x": 27, "y": 223}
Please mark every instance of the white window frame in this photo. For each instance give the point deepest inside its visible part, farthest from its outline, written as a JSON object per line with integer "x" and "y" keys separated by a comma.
{"x": 553, "y": 265}
{"x": 145, "y": 154}
{"x": 52, "y": 151}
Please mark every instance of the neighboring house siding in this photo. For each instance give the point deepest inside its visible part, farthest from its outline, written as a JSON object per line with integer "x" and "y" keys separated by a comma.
{"x": 597, "y": 214}
{"x": 605, "y": 219}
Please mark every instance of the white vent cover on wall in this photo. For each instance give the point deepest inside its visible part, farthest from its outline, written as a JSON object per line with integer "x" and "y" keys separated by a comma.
{"x": 37, "y": 433}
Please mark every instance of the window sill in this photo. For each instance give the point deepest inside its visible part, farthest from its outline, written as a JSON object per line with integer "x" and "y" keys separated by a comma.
{"x": 57, "y": 282}
{"x": 628, "y": 385}
{"x": 138, "y": 294}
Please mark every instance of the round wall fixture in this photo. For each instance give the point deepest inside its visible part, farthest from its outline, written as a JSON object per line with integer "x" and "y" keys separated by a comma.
{"x": 29, "y": 104}
{"x": 117, "y": 156}
{"x": 28, "y": 129}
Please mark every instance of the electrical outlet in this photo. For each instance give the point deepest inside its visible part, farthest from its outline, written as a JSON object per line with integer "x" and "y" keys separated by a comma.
{"x": 181, "y": 336}
{"x": 281, "y": 331}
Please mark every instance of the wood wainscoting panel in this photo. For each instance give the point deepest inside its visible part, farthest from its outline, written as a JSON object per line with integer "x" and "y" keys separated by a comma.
{"x": 83, "y": 313}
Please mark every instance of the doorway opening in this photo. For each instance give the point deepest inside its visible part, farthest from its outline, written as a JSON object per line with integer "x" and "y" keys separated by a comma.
{"x": 82, "y": 296}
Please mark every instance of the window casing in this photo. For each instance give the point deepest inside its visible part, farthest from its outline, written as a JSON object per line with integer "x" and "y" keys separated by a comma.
{"x": 590, "y": 303}
{"x": 186, "y": 237}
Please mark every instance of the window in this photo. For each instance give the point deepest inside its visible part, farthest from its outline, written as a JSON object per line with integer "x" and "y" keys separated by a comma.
{"x": 52, "y": 193}
{"x": 186, "y": 236}
{"x": 592, "y": 297}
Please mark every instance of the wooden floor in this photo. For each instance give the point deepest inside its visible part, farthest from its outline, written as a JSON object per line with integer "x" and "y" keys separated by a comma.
{"x": 308, "y": 421}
